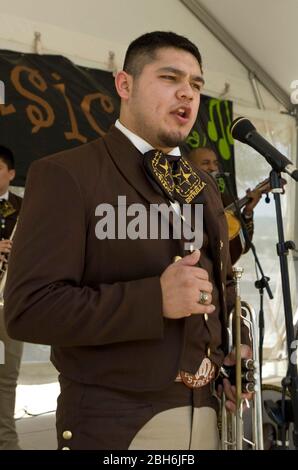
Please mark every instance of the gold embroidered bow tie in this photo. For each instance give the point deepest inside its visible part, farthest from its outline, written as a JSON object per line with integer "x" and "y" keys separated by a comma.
{"x": 6, "y": 208}
{"x": 174, "y": 175}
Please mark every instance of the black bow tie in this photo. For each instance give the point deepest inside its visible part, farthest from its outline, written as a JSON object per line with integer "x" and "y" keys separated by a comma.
{"x": 173, "y": 175}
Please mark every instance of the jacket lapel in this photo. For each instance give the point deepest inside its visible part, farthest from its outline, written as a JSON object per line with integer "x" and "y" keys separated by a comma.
{"x": 129, "y": 162}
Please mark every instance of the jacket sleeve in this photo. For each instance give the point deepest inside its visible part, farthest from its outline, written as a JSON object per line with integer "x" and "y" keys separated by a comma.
{"x": 44, "y": 299}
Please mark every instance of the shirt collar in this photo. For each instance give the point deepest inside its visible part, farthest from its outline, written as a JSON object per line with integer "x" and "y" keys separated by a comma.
{"x": 4, "y": 196}
{"x": 140, "y": 143}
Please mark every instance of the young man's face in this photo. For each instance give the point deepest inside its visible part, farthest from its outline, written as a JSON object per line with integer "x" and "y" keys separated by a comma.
{"x": 6, "y": 176}
{"x": 164, "y": 99}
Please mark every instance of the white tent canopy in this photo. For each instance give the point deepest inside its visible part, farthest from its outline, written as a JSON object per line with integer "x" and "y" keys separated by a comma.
{"x": 87, "y": 32}
{"x": 264, "y": 31}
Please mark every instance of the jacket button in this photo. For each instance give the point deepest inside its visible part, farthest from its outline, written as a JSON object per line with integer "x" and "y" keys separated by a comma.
{"x": 67, "y": 435}
{"x": 206, "y": 316}
{"x": 208, "y": 351}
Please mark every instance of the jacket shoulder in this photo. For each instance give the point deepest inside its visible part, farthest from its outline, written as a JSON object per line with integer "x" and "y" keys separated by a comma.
{"x": 82, "y": 164}
{"x": 15, "y": 200}
{"x": 83, "y": 155}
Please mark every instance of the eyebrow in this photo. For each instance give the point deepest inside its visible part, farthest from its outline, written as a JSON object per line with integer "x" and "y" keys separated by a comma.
{"x": 197, "y": 78}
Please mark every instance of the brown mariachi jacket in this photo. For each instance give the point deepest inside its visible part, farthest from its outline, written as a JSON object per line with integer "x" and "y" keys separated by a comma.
{"x": 98, "y": 302}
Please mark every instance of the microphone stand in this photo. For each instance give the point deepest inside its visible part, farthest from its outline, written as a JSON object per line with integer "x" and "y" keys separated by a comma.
{"x": 291, "y": 380}
{"x": 260, "y": 284}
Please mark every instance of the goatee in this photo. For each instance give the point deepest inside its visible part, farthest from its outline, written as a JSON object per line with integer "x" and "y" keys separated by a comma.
{"x": 171, "y": 140}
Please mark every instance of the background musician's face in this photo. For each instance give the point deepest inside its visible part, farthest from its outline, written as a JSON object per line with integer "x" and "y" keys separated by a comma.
{"x": 6, "y": 176}
{"x": 161, "y": 103}
{"x": 204, "y": 159}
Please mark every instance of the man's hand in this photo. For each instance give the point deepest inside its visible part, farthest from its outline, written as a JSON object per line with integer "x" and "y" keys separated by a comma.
{"x": 230, "y": 390}
{"x": 5, "y": 247}
{"x": 254, "y": 196}
{"x": 181, "y": 284}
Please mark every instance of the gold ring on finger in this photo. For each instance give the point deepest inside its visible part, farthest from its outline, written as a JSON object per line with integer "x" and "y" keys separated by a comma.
{"x": 203, "y": 298}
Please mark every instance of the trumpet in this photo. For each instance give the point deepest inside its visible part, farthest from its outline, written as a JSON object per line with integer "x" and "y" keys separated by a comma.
{"x": 3, "y": 270}
{"x": 247, "y": 378}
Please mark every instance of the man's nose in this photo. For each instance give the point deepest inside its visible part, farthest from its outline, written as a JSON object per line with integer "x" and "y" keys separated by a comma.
{"x": 185, "y": 91}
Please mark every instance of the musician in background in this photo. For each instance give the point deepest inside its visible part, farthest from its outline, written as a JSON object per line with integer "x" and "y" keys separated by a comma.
{"x": 206, "y": 159}
{"x": 10, "y": 205}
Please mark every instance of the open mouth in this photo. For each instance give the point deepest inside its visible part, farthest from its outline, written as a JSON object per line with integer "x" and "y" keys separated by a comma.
{"x": 183, "y": 113}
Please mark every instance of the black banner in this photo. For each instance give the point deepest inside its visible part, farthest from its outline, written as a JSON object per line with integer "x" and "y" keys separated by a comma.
{"x": 52, "y": 104}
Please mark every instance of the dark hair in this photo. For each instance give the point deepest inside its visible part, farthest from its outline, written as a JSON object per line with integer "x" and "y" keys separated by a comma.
{"x": 142, "y": 50}
{"x": 7, "y": 156}
{"x": 208, "y": 148}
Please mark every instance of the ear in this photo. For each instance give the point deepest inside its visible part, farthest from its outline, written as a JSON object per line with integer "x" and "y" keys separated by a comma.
{"x": 123, "y": 83}
{"x": 12, "y": 174}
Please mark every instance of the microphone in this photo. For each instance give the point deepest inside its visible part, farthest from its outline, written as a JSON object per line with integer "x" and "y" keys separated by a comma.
{"x": 242, "y": 129}
{"x": 219, "y": 174}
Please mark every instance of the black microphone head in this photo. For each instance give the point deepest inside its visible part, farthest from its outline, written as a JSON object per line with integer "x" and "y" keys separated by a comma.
{"x": 219, "y": 174}
{"x": 240, "y": 127}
